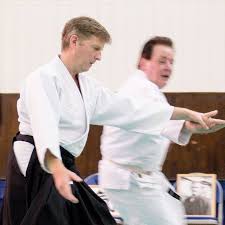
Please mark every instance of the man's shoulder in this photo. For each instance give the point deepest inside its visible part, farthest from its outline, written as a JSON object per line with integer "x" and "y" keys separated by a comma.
{"x": 45, "y": 70}
{"x": 137, "y": 82}
{"x": 44, "y": 74}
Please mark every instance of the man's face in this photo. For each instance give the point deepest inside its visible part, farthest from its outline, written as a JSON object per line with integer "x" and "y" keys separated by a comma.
{"x": 86, "y": 53}
{"x": 159, "y": 67}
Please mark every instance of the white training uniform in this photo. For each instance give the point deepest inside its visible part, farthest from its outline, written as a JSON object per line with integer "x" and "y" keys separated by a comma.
{"x": 130, "y": 169}
{"x": 52, "y": 109}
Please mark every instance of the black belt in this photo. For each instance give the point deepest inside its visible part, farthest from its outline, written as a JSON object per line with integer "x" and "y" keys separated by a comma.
{"x": 67, "y": 158}
{"x": 174, "y": 194}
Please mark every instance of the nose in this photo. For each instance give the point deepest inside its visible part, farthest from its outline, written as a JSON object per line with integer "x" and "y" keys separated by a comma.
{"x": 98, "y": 55}
{"x": 169, "y": 66}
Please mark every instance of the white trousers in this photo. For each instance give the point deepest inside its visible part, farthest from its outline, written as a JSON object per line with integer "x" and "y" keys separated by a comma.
{"x": 143, "y": 205}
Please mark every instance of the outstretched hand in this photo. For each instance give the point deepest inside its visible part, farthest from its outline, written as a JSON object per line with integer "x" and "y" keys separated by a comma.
{"x": 189, "y": 115}
{"x": 213, "y": 124}
{"x": 199, "y": 118}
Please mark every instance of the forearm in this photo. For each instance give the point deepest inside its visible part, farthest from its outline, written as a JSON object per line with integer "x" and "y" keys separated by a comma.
{"x": 180, "y": 113}
{"x": 190, "y": 115}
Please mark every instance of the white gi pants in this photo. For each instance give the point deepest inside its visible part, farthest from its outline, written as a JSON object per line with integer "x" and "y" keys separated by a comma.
{"x": 147, "y": 202}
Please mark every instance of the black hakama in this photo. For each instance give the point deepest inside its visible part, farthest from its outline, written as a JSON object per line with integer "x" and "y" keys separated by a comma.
{"x": 34, "y": 200}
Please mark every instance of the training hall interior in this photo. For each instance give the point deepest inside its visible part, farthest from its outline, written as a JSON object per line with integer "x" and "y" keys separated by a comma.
{"x": 30, "y": 36}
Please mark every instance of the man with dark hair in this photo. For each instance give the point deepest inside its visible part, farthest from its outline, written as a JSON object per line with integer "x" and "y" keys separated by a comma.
{"x": 130, "y": 169}
{"x": 56, "y": 106}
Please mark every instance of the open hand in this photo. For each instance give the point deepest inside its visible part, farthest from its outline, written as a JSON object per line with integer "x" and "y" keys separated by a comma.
{"x": 62, "y": 177}
{"x": 212, "y": 124}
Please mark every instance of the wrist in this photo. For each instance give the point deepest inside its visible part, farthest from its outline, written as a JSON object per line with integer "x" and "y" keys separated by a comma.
{"x": 52, "y": 162}
{"x": 187, "y": 128}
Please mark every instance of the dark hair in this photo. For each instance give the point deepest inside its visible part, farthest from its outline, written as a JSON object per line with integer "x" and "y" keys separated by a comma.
{"x": 149, "y": 45}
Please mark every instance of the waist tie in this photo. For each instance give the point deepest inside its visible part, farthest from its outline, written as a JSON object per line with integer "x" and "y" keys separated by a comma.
{"x": 136, "y": 170}
{"x": 140, "y": 173}
{"x": 174, "y": 194}
{"x": 67, "y": 158}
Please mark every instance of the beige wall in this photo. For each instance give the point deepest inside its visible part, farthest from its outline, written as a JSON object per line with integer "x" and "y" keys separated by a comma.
{"x": 30, "y": 36}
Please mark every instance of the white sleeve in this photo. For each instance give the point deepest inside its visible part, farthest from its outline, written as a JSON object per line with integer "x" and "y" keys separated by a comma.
{"x": 140, "y": 115}
{"x": 42, "y": 102}
{"x": 174, "y": 132}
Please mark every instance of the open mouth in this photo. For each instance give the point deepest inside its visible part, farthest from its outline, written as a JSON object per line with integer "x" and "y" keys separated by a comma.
{"x": 165, "y": 76}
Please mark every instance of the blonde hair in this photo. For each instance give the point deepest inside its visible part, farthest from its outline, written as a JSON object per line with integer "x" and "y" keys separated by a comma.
{"x": 84, "y": 28}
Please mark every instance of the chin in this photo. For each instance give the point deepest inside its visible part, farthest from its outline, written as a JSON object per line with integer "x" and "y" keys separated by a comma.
{"x": 162, "y": 85}
{"x": 85, "y": 69}
{"x": 88, "y": 68}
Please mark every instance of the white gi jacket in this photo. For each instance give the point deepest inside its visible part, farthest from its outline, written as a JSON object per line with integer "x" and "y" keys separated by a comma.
{"x": 123, "y": 149}
{"x": 52, "y": 110}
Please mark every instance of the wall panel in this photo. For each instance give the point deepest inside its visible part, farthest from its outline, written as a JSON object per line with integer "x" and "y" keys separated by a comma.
{"x": 204, "y": 153}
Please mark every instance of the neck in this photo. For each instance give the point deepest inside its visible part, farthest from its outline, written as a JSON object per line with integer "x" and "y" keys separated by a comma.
{"x": 69, "y": 64}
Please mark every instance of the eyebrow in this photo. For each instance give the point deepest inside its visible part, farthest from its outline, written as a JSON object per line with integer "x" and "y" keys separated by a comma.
{"x": 164, "y": 57}
{"x": 97, "y": 47}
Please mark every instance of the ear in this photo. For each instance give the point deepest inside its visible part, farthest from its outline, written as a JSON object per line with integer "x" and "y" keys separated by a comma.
{"x": 73, "y": 39}
{"x": 142, "y": 63}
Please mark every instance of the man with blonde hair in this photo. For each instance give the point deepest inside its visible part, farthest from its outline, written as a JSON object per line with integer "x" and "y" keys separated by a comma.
{"x": 56, "y": 106}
